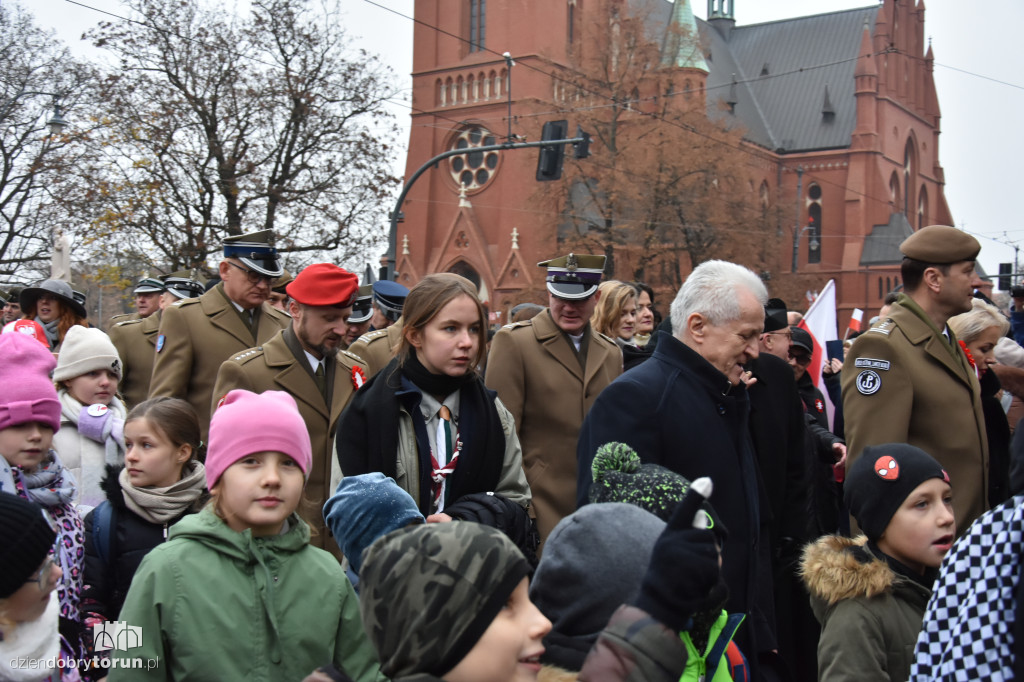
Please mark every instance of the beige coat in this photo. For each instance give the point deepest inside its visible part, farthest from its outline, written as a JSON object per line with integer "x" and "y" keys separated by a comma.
{"x": 376, "y": 348}
{"x": 276, "y": 366}
{"x": 537, "y": 374}
{"x": 135, "y": 341}
{"x": 196, "y": 336}
{"x": 902, "y": 383}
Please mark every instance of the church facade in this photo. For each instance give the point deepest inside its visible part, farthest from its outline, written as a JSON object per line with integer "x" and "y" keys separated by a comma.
{"x": 838, "y": 114}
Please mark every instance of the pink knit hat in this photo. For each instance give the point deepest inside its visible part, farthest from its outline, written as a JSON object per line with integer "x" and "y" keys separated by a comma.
{"x": 247, "y": 422}
{"x": 28, "y": 394}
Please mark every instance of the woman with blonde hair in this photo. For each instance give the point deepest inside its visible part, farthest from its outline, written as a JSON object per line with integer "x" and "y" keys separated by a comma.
{"x": 616, "y": 317}
{"x": 428, "y": 421}
{"x": 978, "y": 331}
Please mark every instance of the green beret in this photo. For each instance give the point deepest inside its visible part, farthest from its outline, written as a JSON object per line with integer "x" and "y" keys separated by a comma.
{"x": 940, "y": 244}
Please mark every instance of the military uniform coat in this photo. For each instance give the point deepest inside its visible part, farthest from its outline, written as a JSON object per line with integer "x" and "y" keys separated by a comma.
{"x": 280, "y": 365}
{"x": 903, "y": 383}
{"x": 196, "y": 336}
{"x": 538, "y": 376}
{"x": 376, "y": 348}
{"x": 135, "y": 341}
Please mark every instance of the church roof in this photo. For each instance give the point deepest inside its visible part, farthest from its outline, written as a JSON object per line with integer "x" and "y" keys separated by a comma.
{"x": 681, "y": 46}
{"x": 882, "y": 246}
{"x": 789, "y": 83}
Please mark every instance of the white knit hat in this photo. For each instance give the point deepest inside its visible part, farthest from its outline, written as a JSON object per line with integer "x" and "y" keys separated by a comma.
{"x": 1009, "y": 353}
{"x": 85, "y": 350}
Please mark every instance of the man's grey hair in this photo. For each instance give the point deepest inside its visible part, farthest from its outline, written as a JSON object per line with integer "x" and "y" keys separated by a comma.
{"x": 712, "y": 290}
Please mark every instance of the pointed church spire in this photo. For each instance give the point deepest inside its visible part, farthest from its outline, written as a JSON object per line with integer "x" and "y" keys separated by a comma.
{"x": 681, "y": 47}
{"x": 866, "y": 63}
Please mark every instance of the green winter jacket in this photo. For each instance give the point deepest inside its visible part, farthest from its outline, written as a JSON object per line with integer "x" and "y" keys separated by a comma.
{"x": 215, "y": 604}
{"x": 870, "y": 615}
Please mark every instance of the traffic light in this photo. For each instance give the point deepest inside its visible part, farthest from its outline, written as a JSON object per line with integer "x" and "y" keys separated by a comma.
{"x": 1005, "y": 274}
{"x": 549, "y": 161}
{"x": 582, "y": 148}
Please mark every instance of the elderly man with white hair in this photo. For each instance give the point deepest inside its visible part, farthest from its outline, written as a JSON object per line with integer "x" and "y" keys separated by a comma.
{"x": 687, "y": 409}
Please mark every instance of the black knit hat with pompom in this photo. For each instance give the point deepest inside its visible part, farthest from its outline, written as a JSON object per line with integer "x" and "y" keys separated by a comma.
{"x": 619, "y": 476}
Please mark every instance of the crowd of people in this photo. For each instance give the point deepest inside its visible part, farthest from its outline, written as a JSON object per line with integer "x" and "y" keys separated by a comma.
{"x": 275, "y": 477}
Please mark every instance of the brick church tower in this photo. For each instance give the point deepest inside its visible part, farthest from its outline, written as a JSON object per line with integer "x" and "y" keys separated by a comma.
{"x": 838, "y": 111}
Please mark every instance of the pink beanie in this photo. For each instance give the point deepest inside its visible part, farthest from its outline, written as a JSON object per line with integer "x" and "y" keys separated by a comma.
{"x": 247, "y": 422}
{"x": 29, "y": 394}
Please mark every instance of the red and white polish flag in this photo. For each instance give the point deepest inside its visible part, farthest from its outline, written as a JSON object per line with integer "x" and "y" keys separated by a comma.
{"x": 856, "y": 320}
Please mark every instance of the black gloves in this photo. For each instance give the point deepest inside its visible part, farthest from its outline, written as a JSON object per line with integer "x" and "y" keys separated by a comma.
{"x": 684, "y": 564}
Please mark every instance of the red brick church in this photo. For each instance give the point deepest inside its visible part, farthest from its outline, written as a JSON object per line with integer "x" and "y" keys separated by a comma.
{"x": 839, "y": 111}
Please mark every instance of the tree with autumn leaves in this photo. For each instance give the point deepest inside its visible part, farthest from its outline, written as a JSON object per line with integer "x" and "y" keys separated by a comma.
{"x": 216, "y": 124}
{"x": 666, "y": 187}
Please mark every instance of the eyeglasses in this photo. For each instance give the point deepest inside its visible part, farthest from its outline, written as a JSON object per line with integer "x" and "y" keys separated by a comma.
{"x": 801, "y": 358}
{"x": 788, "y": 334}
{"x": 253, "y": 276}
{"x": 44, "y": 577}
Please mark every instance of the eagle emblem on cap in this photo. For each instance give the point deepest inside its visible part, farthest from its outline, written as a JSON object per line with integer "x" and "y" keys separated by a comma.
{"x": 571, "y": 263}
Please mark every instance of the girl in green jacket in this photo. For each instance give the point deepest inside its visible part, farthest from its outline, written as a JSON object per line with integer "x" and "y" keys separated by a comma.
{"x": 237, "y": 592}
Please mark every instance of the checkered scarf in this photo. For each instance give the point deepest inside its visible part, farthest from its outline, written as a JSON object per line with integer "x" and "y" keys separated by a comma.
{"x": 971, "y": 619}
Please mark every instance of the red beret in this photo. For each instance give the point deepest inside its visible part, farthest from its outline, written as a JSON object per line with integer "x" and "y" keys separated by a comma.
{"x": 324, "y": 284}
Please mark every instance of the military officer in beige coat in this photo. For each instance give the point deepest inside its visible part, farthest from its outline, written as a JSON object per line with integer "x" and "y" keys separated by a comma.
{"x": 548, "y": 371}
{"x": 362, "y": 311}
{"x": 377, "y": 347}
{"x": 198, "y": 335}
{"x": 906, "y": 380}
{"x": 135, "y": 340}
{"x": 306, "y": 360}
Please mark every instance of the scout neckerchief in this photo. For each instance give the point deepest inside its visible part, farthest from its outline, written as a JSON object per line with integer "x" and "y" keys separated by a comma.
{"x": 444, "y": 455}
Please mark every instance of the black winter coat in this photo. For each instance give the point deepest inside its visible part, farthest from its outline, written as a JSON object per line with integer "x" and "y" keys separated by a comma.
{"x": 106, "y": 579}
{"x": 678, "y": 411}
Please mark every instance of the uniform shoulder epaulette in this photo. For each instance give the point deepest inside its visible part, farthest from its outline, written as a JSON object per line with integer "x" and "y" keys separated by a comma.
{"x": 247, "y": 355}
{"x": 124, "y": 323}
{"x": 120, "y": 317}
{"x": 883, "y": 327}
{"x": 281, "y": 313}
{"x": 353, "y": 357}
{"x": 370, "y": 336}
{"x": 520, "y": 323}
{"x": 184, "y": 302}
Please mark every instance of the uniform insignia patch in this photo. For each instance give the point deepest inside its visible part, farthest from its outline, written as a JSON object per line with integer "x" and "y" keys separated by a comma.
{"x": 871, "y": 363}
{"x": 868, "y": 382}
{"x": 883, "y": 327}
{"x": 160, "y": 340}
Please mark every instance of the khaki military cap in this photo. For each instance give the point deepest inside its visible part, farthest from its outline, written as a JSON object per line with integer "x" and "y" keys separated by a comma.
{"x": 575, "y": 276}
{"x": 362, "y": 309}
{"x": 184, "y": 284}
{"x": 256, "y": 250}
{"x": 279, "y": 284}
{"x": 940, "y": 244}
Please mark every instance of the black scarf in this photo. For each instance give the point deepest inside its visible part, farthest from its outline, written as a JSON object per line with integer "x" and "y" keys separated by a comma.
{"x": 438, "y": 385}
{"x": 367, "y": 437}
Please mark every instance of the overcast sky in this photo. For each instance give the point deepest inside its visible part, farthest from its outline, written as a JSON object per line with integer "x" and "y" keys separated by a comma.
{"x": 977, "y": 75}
